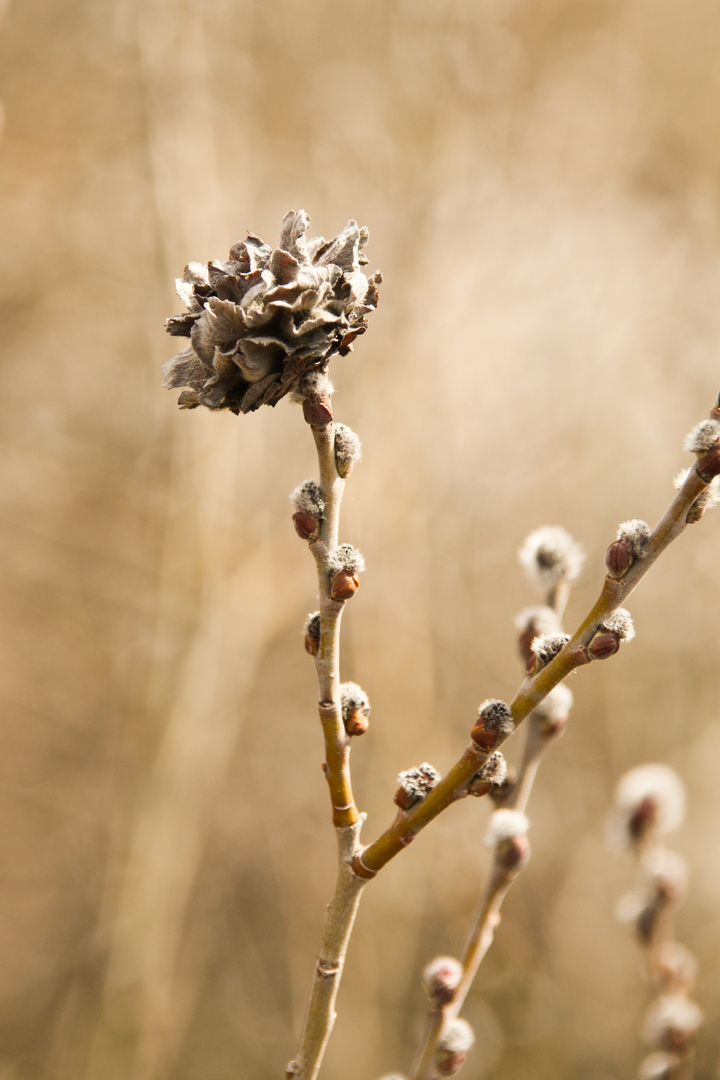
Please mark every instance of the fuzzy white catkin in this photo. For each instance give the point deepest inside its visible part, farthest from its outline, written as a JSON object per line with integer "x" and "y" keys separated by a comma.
{"x": 506, "y": 825}
{"x": 557, "y": 704}
{"x": 671, "y": 1013}
{"x": 457, "y": 1037}
{"x": 659, "y": 783}
{"x": 551, "y": 555}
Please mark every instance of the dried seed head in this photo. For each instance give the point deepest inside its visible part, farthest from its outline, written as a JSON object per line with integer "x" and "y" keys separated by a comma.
{"x": 660, "y": 1066}
{"x": 261, "y": 322}
{"x": 547, "y": 646}
{"x": 493, "y": 773}
{"x": 648, "y": 798}
{"x": 348, "y": 450}
{"x": 636, "y": 534}
{"x": 312, "y": 633}
{"x": 532, "y": 622}
{"x": 703, "y": 437}
{"x": 550, "y": 556}
{"x": 441, "y": 979}
{"x": 415, "y": 784}
{"x": 495, "y": 720}
{"x": 672, "y": 1022}
{"x": 355, "y": 706}
{"x": 452, "y": 1047}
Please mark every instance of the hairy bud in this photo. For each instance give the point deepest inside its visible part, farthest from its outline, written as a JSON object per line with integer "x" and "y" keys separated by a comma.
{"x": 309, "y": 510}
{"x": 415, "y": 784}
{"x": 345, "y": 564}
{"x": 550, "y": 556}
{"x": 312, "y": 633}
{"x": 355, "y": 706}
{"x": 348, "y": 450}
{"x": 441, "y": 979}
{"x": 495, "y": 720}
{"x": 492, "y": 774}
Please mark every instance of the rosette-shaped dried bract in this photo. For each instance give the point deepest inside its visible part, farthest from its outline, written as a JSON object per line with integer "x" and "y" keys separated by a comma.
{"x": 266, "y": 318}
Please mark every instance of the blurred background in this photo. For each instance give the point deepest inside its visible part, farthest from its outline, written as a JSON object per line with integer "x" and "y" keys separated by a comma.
{"x": 541, "y": 181}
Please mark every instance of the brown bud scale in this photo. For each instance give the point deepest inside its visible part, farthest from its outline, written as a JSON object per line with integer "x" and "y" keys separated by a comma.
{"x": 317, "y": 411}
{"x": 618, "y": 558}
{"x": 306, "y": 525}
{"x": 708, "y": 465}
{"x": 344, "y": 585}
{"x": 357, "y": 723}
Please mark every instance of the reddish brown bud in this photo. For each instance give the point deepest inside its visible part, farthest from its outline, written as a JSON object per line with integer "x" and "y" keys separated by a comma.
{"x": 404, "y": 799}
{"x": 708, "y": 465}
{"x": 317, "y": 411}
{"x": 603, "y": 645}
{"x": 618, "y": 558}
{"x": 306, "y": 526}
{"x": 450, "y": 1063}
{"x": 357, "y": 723}
{"x": 485, "y": 738}
{"x": 514, "y": 854}
{"x": 344, "y": 585}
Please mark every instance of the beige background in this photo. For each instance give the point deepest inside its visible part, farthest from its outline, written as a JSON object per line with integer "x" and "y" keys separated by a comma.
{"x": 541, "y": 183}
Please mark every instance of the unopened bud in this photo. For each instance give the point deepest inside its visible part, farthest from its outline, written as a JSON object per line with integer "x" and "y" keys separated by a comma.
{"x": 495, "y": 720}
{"x": 309, "y": 510}
{"x": 672, "y": 1022}
{"x": 415, "y": 784}
{"x": 532, "y": 622}
{"x": 603, "y": 646}
{"x": 452, "y": 1047}
{"x": 507, "y": 833}
{"x": 441, "y": 979}
{"x": 493, "y": 773}
{"x": 618, "y": 558}
{"x": 355, "y": 706}
{"x": 344, "y": 584}
{"x": 545, "y": 648}
{"x": 660, "y": 1066}
{"x": 348, "y": 450}
{"x": 317, "y": 411}
{"x": 312, "y": 633}
{"x": 345, "y": 564}
{"x": 708, "y": 465}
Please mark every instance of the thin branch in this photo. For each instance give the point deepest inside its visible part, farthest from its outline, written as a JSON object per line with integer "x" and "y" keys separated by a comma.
{"x": 340, "y": 915}
{"x": 534, "y": 689}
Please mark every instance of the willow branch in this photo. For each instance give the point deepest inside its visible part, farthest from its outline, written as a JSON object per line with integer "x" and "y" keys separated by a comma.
{"x": 535, "y": 687}
{"x": 340, "y": 915}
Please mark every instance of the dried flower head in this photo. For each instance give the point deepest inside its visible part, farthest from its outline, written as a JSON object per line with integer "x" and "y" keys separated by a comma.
{"x": 648, "y": 798}
{"x": 636, "y": 534}
{"x": 441, "y": 979}
{"x": 547, "y": 646}
{"x": 348, "y": 450}
{"x": 660, "y": 1066}
{"x": 506, "y": 825}
{"x": 355, "y": 706}
{"x": 550, "y": 555}
{"x": 262, "y": 320}
{"x": 492, "y": 774}
{"x": 415, "y": 784}
{"x": 703, "y": 437}
{"x": 672, "y": 1022}
{"x": 311, "y": 632}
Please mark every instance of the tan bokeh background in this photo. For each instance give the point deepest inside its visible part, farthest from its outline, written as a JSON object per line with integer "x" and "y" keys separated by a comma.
{"x": 541, "y": 183}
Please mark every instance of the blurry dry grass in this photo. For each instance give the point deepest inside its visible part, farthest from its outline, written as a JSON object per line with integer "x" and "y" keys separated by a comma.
{"x": 540, "y": 178}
